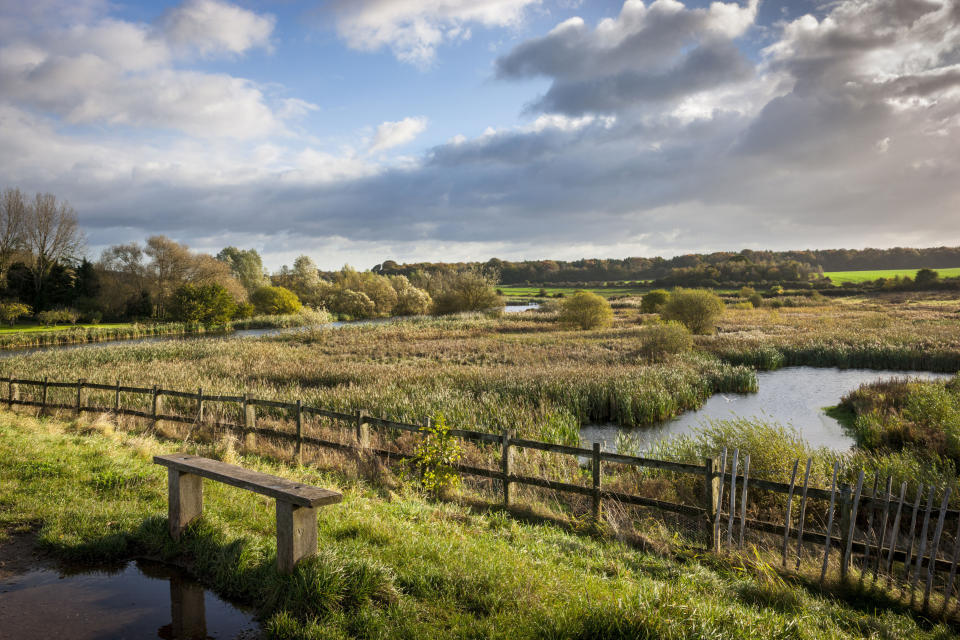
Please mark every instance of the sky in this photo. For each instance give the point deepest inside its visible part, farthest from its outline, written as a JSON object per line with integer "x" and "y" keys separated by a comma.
{"x": 356, "y": 131}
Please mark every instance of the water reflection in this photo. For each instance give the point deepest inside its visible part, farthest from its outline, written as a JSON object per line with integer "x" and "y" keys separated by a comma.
{"x": 140, "y": 600}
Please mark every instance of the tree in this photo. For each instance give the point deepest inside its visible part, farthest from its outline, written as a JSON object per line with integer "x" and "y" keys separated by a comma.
{"x": 411, "y": 301}
{"x": 469, "y": 289}
{"x": 586, "y": 310}
{"x": 305, "y": 281}
{"x": 10, "y": 312}
{"x": 208, "y": 304}
{"x": 13, "y": 214}
{"x": 653, "y": 301}
{"x": 697, "y": 309}
{"x": 926, "y": 277}
{"x": 168, "y": 268}
{"x": 125, "y": 282}
{"x": 51, "y": 237}
{"x": 275, "y": 301}
{"x": 246, "y": 266}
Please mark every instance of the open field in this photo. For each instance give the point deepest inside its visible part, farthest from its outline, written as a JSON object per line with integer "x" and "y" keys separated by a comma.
{"x": 839, "y": 277}
{"x": 395, "y": 564}
{"x": 35, "y": 328}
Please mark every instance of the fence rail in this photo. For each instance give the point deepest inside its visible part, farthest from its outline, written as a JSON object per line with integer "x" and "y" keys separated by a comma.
{"x": 862, "y": 515}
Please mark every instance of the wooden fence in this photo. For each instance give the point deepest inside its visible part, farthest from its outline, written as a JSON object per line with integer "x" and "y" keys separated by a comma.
{"x": 865, "y": 528}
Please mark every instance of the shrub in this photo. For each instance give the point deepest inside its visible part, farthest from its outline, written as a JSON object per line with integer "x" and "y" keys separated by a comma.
{"x": 653, "y": 301}
{"x": 466, "y": 290}
{"x": 208, "y": 304}
{"x": 657, "y": 341}
{"x": 756, "y": 300}
{"x": 776, "y": 290}
{"x": 436, "y": 454}
{"x": 244, "y": 310}
{"x": 746, "y": 304}
{"x": 747, "y": 292}
{"x": 275, "y": 301}
{"x": 697, "y": 309}
{"x": 586, "y": 310}
{"x": 53, "y": 317}
{"x": 355, "y": 304}
{"x": 411, "y": 301}
{"x": 10, "y": 312}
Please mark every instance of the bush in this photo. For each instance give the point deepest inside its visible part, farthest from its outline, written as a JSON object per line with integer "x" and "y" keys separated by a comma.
{"x": 244, "y": 310}
{"x": 466, "y": 290}
{"x": 436, "y": 454}
{"x": 275, "y": 301}
{"x": 653, "y": 301}
{"x": 657, "y": 341}
{"x": 586, "y": 310}
{"x": 756, "y": 300}
{"x": 10, "y": 312}
{"x": 54, "y": 317}
{"x": 697, "y": 309}
{"x": 208, "y": 304}
{"x": 747, "y": 292}
{"x": 355, "y": 304}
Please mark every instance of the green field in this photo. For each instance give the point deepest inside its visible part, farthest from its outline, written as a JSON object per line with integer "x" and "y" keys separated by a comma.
{"x": 840, "y": 277}
{"x": 531, "y": 292}
{"x": 39, "y": 328}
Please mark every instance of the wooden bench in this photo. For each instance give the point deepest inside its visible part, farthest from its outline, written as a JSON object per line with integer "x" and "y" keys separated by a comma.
{"x": 296, "y": 503}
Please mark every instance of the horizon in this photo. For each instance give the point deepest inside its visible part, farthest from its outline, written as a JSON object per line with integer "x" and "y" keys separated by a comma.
{"x": 357, "y": 132}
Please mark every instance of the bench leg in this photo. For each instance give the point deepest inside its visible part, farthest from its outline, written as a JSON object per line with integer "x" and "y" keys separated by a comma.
{"x": 186, "y": 500}
{"x": 296, "y": 534}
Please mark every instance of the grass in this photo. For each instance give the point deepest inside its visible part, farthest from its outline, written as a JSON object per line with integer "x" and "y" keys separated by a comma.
{"x": 32, "y": 328}
{"x": 532, "y": 292}
{"x": 397, "y": 565}
{"x": 840, "y": 277}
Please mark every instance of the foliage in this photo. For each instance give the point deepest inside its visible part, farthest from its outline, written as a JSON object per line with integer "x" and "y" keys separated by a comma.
{"x": 275, "y": 301}
{"x": 411, "y": 301}
{"x": 207, "y": 304}
{"x": 697, "y": 309}
{"x": 585, "y": 310}
{"x": 354, "y": 304}
{"x": 465, "y": 290}
{"x": 654, "y": 301}
{"x": 53, "y": 317}
{"x": 435, "y": 457}
{"x": 246, "y": 266}
{"x": 662, "y": 339}
{"x": 10, "y": 312}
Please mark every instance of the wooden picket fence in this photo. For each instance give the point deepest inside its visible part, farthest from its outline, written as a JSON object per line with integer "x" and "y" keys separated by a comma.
{"x": 865, "y": 529}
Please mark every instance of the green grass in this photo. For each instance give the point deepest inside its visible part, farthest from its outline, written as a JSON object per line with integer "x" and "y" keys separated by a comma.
{"x": 531, "y": 292}
{"x": 394, "y": 564}
{"x": 35, "y": 328}
{"x": 840, "y": 277}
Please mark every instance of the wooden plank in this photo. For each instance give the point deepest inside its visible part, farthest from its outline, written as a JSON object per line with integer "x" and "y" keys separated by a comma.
{"x": 187, "y": 395}
{"x": 665, "y": 465}
{"x": 895, "y": 532}
{"x": 553, "y": 484}
{"x": 554, "y": 448}
{"x": 868, "y": 533}
{"x": 262, "y": 483}
{"x": 803, "y": 511}
{"x": 506, "y": 462}
{"x": 597, "y": 498}
{"x": 845, "y": 562}
{"x": 743, "y": 501}
{"x": 733, "y": 496}
{"x": 275, "y": 404}
{"x": 786, "y": 523}
{"x": 829, "y": 530}
{"x": 716, "y": 521}
{"x": 935, "y": 546}
{"x": 478, "y": 436}
{"x": 883, "y": 527}
{"x": 924, "y": 530}
{"x": 299, "y": 418}
{"x": 913, "y": 527}
{"x": 335, "y": 415}
{"x": 642, "y": 501}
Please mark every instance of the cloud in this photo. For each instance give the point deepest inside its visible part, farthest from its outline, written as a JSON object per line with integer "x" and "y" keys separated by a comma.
{"x": 645, "y": 55}
{"x": 211, "y": 27}
{"x": 413, "y": 29}
{"x": 394, "y": 134}
{"x": 122, "y": 73}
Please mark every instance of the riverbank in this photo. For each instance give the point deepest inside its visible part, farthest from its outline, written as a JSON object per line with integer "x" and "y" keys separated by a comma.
{"x": 395, "y": 564}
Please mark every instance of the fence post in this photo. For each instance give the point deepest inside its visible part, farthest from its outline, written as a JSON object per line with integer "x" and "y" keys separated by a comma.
{"x": 506, "y": 462}
{"x": 596, "y": 483}
{"x": 155, "y": 406}
{"x": 710, "y": 481}
{"x": 79, "y": 406}
{"x": 845, "y": 502}
{"x": 299, "y": 432}
{"x": 43, "y": 397}
{"x": 363, "y": 431}
{"x": 13, "y": 393}
{"x": 200, "y": 405}
{"x": 116, "y": 399}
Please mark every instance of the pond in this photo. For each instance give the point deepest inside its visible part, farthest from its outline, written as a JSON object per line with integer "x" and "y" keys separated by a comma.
{"x": 138, "y": 600}
{"x": 794, "y": 396}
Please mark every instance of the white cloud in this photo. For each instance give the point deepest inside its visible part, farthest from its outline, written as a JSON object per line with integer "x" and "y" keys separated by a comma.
{"x": 413, "y": 29}
{"x": 211, "y": 27}
{"x": 394, "y": 134}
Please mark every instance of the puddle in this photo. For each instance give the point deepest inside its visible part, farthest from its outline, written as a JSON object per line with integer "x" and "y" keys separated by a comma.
{"x": 139, "y": 600}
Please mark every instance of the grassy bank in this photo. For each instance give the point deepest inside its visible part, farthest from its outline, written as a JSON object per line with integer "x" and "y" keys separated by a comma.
{"x": 840, "y": 277}
{"x": 394, "y": 564}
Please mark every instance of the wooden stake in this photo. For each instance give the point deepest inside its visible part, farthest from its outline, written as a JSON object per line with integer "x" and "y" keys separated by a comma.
{"x": 883, "y": 527}
{"x": 299, "y": 444}
{"x": 803, "y": 512}
{"x": 743, "y": 500}
{"x": 733, "y": 496}
{"x": 786, "y": 524}
{"x": 506, "y": 462}
{"x": 913, "y": 528}
{"x": 895, "y": 533}
{"x": 953, "y": 569}
{"x": 935, "y": 547}
{"x": 868, "y": 533}
{"x": 845, "y": 564}
{"x": 716, "y": 521}
{"x": 596, "y": 483}
{"x": 829, "y": 542}
{"x": 924, "y": 530}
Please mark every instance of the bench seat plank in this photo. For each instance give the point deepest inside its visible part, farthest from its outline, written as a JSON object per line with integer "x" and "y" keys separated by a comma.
{"x": 263, "y": 483}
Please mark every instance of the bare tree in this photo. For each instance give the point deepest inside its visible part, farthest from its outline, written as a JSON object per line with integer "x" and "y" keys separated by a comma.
{"x": 13, "y": 212}
{"x": 51, "y": 234}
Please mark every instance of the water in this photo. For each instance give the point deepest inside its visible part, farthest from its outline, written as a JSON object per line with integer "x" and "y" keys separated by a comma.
{"x": 517, "y": 308}
{"x": 140, "y": 600}
{"x": 793, "y": 396}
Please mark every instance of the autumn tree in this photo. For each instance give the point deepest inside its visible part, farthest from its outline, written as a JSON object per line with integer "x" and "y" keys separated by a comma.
{"x": 13, "y": 214}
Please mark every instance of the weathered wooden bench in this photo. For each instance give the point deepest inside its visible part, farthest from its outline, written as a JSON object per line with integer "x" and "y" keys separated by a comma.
{"x": 296, "y": 503}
